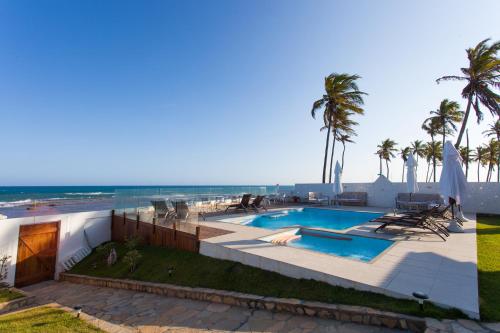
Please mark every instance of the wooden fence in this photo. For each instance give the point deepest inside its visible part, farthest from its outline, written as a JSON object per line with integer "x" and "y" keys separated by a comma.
{"x": 123, "y": 227}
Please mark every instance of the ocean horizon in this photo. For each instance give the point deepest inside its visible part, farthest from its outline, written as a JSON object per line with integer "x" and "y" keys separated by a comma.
{"x": 13, "y": 196}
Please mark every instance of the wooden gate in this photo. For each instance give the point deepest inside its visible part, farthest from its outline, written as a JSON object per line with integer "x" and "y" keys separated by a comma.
{"x": 36, "y": 253}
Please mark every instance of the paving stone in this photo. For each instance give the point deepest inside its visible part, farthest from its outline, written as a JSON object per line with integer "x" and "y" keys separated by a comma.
{"x": 495, "y": 327}
{"x": 215, "y": 307}
{"x": 457, "y": 328}
{"x": 128, "y": 311}
{"x": 471, "y": 325}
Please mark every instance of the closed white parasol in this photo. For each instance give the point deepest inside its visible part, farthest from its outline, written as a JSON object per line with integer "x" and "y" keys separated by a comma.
{"x": 411, "y": 175}
{"x": 338, "y": 179}
{"x": 453, "y": 184}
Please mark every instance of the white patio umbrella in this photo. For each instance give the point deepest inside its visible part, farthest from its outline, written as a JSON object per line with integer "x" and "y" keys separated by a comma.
{"x": 411, "y": 175}
{"x": 453, "y": 184}
{"x": 338, "y": 188}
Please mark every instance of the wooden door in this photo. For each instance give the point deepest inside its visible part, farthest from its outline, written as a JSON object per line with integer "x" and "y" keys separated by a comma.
{"x": 36, "y": 253}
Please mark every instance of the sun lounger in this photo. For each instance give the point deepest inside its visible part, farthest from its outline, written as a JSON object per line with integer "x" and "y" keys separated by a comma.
{"x": 318, "y": 198}
{"x": 244, "y": 204}
{"x": 257, "y": 203}
{"x": 162, "y": 209}
{"x": 181, "y": 210}
{"x": 417, "y": 201}
{"x": 423, "y": 221}
{"x": 352, "y": 198}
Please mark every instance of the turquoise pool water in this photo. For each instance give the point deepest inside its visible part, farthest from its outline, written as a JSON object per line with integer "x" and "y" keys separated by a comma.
{"x": 313, "y": 218}
{"x": 354, "y": 247}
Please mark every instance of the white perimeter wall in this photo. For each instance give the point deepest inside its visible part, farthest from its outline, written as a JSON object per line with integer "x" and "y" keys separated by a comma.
{"x": 97, "y": 226}
{"x": 481, "y": 197}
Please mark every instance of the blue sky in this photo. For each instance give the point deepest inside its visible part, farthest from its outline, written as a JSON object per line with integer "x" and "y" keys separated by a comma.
{"x": 217, "y": 92}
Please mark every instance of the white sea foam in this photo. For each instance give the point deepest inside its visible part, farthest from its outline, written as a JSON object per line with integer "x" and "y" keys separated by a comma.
{"x": 89, "y": 193}
{"x": 5, "y": 204}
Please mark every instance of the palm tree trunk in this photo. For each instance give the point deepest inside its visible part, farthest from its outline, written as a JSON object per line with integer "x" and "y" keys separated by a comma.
{"x": 380, "y": 165}
{"x": 326, "y": 153}
{"x": 434, "y": 156}
{"x": 427, "y": 174}
{"x": 478, "y": 168}
{"x": 443, "y": 123}
{"x": 387, "y": 167}
{"x": 331, "y": 156}
{"x": 403, "y": 176}
{"x": 467, "y": 157}
{"x": 343, "y": 151}
{"x": 464, "y": 122}
{"x": 498, "y": 162}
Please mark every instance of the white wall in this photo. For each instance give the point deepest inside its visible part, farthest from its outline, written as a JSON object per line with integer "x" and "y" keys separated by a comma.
{"x": 303, "y": 189}
{"x": 481, "y": 197}
{"x": 97, "y": 226}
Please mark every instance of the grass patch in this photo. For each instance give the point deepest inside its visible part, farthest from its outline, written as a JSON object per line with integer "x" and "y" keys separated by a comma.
{"x": 488, "y": 266}
{"x": 8, "y": 295}
{"x": 44, "y": 320}
{"x": 195, "y": 270}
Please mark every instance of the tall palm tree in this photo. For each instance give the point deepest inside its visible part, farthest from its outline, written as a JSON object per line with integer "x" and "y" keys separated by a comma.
{"x": 385, "y": 152}
{"x": 494, "y": 130}
{"x": 481, "y": 76}
{"x": 417, "y": 149}
{"x": 466, "y": 154}
{"x": 446, "y": 116}
{"x": 344, "y": 138}
{"x": 341, "y": 125}
{"x": 479, "y": 156}
{"x": 432, "y": 126}
{"x": 342, "y": 92}
{"x": 404, "y": 153}
{"x": 491, "y": 156}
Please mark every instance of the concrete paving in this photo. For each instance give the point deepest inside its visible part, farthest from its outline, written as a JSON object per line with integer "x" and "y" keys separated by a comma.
{"x": 418, "y": 261}
{"x": 127, "y": 311}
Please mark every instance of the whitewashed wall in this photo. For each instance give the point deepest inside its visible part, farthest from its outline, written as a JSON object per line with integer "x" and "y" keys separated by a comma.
{"x": 304, "y": 189}
{"x": 481, "y": 197}
{"x": 97, "y": 226}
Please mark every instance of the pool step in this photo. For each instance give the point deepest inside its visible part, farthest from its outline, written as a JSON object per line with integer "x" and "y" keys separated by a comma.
{"x": 284, "y": 239}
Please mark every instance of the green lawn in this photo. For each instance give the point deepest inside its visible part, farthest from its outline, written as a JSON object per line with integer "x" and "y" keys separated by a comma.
{"x": 8, "y": 295}
{"x": 488, "y": 265}
{"x": 45, "y": 320}
{"x": 195, "y": 270}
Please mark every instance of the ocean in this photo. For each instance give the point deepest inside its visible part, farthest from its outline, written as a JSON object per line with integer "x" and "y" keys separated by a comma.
{"x": 15, "y": 201}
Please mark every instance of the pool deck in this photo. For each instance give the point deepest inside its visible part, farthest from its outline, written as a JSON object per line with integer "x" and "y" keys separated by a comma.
{"x": 418, "y": 261}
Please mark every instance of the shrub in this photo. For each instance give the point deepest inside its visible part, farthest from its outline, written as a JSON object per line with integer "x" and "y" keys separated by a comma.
{"x": 4, "y": 271}
{"x": 133, "y": 242}
{"x": 131, "y": 259}
{"x": 104, "y": 250}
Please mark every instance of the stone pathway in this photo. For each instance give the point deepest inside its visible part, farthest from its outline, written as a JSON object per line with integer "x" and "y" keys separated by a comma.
{"x": 142, "y": 312}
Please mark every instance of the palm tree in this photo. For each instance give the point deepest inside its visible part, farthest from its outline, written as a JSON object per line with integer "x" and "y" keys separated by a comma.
{"x": 465, "y": 153}
{"x": 341, "y": 125}
{"x": 494, "y": 130}
{"x": 344, "y": 138}
{"x": 404, "y": 153}
{"x": 417, "y": 149}
{"x": 433, "y": 152}
{"x": 385, "y": 152}
{"x": 482, "y": 76}
{"x": 479, "y": 156}
{"x": 446, "y": 116}
{"x": 491, "y": 157}
{"x": 432, "y": 126}
{"x": 341, "y": 93}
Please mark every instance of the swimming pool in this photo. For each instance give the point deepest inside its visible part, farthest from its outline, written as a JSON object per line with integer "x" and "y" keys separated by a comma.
{"x": 344, "y": 245}
{"x": 313, "y": 218}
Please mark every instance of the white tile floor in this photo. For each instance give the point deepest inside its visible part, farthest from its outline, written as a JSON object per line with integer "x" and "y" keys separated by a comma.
{"x": 419, "y": 261}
